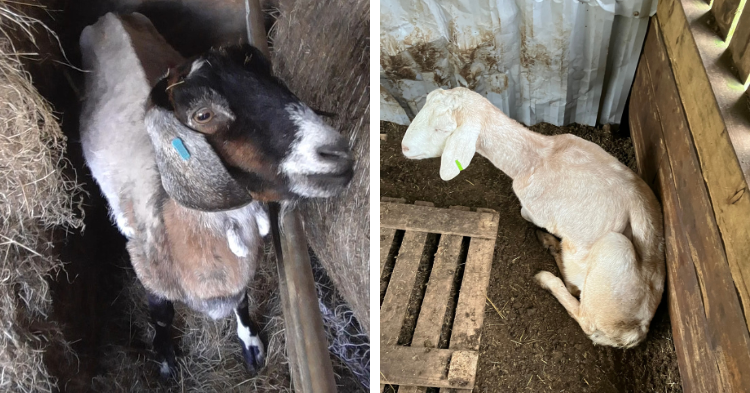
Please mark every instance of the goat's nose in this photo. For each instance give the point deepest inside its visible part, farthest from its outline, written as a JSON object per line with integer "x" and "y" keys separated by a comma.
{"x": 335, "y": 152}
{"x": 404, "y": 149}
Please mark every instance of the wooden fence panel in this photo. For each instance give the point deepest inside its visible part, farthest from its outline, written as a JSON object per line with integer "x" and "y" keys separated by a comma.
{"x": 739, "y": 46}
{"x": 724, "y": 11}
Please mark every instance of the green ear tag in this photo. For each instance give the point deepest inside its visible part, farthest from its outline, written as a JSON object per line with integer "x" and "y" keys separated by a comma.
{"x": 458, "y": 164}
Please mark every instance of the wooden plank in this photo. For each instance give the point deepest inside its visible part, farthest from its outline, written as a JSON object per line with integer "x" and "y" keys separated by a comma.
{"x": 394, "y": 307}
{"x": 645, "y": 128}
{"x": 467, "y": 325}
{"x": 723, "y": 311}
{"x": 725, "y": 11}
{"x": 386, "y": 241}
{"x": 436, "y": 298}
{"x": 719, "y": 164}
{"x": 436, "y": 220}
{"x": 696, "y": 359}
{"x": 303, "y": 322}
{"x": 442, "y": 368}
{"x": 739, "y": 46}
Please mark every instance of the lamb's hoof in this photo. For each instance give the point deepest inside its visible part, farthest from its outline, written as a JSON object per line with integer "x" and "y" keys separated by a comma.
{"x": 167, "y": 368}
{"x": 549, "y": 241}
{"x": 254, "y": 354}
{"x": 542, "y": 278}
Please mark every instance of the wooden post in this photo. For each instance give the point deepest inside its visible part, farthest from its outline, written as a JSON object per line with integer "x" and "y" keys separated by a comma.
{"x": 306, "y": 343}
{"x": 307, "y": 347}
{"x": 256, "y": 32}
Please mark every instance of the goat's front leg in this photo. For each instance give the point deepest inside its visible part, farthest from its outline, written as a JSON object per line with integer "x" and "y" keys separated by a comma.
{"x": 252, "y": 347}
{"x": 162, "y": 314}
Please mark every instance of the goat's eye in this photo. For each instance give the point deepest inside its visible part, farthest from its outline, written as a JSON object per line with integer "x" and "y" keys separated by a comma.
{"x": 203, "y": 116}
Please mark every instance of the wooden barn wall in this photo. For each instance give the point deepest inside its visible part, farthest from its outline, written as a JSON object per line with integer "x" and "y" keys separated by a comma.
{"x": 673, "y": 141}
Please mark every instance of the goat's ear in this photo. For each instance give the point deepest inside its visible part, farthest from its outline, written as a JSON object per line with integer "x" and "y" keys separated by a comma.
{"x": 191, "y": 171}
{"x": 459, "y": 150}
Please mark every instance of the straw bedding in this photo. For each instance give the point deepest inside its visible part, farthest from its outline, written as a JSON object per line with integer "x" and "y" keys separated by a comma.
{"x": 37, "y": 199}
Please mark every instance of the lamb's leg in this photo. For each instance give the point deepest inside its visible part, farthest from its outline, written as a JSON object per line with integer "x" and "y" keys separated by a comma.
{"x": 162, "y": 313}
{"x": 553, "y": 284}
{"x": 252, "y": 347}
{"x": 553, "y": 245}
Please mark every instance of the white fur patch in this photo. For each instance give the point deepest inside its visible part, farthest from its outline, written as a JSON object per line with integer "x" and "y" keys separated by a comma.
{"x": 236, "y": 244}
{"x": 164, "y": 368}
{"x": 248, "y": 339}
{"x": 196, "y": 66}
{"x": 312, "y": 133}
{"x": 262, "y": 219}
{"x": 125, "y": 228}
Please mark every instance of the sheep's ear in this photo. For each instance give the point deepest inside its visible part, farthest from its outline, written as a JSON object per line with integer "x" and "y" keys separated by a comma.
{"x": 459, "y": 150}
{"x": 191, "y": 171}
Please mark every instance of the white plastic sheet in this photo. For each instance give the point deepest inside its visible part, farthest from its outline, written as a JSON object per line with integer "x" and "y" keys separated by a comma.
{"x": 555, "y": 61}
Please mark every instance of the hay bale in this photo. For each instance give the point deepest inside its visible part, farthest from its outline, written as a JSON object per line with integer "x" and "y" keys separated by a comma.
{"x": 321, "y": 49}
{"x": 36, "y": 197}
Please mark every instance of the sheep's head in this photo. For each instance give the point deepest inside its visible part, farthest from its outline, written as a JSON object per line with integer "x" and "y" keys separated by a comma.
{"x": 444, "y": 127}
{"x": 226, "y": 131}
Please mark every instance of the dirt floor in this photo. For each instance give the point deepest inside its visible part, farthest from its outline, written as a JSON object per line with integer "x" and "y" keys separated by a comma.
{"x": 532, "y": 344}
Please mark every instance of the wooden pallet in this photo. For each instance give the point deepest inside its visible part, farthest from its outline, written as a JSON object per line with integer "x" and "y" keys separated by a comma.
{"x": 419, "y": 366}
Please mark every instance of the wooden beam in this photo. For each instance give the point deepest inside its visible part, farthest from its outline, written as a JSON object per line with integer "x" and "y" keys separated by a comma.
{"x": 309, "y": 359}
{"x": 739, "y": 46}
{"x": 396, "y": 301}
{"x": 441, "y": 368}
{"x": 467, "y": 325}
{"x": 256, "y": 30}
{"x": 723, "y": 311}
{"x": 645, "y": 126}
{"x": 719, "y": 165}
{"x": 725, "y": 11}
{"x": 437, "y": 220}
{"x": 386, "y": 241}
{"x": 436, "y": 298}
{"x": 698, "y": 363}
{"x": 706, "y": 315}
{"x": 437, "y": 295}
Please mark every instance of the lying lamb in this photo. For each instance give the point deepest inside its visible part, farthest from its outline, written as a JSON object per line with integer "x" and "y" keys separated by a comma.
{"x": 611, "y": 253}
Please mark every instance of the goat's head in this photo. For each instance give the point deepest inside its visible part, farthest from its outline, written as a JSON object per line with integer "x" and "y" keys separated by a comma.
{"x": 444, "y": 128}
{"x": 226, "y": 131}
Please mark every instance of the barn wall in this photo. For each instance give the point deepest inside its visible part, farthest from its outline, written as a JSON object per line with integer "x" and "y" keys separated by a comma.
{"x": 549, "y": 61}
{"x": 685, "y": 153}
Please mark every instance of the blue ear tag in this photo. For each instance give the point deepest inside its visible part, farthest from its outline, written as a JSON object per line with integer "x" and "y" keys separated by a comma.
{"x": 180, "y": 147}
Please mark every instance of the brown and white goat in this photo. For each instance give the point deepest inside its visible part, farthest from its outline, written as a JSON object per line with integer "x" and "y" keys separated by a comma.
{"x": 183, "y": 159}
{"x": 609, "y": 220}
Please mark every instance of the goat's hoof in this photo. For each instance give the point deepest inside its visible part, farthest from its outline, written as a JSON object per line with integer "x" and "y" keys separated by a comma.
{"x": 167, "y": 368}
{"x": 255, "y": 356}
